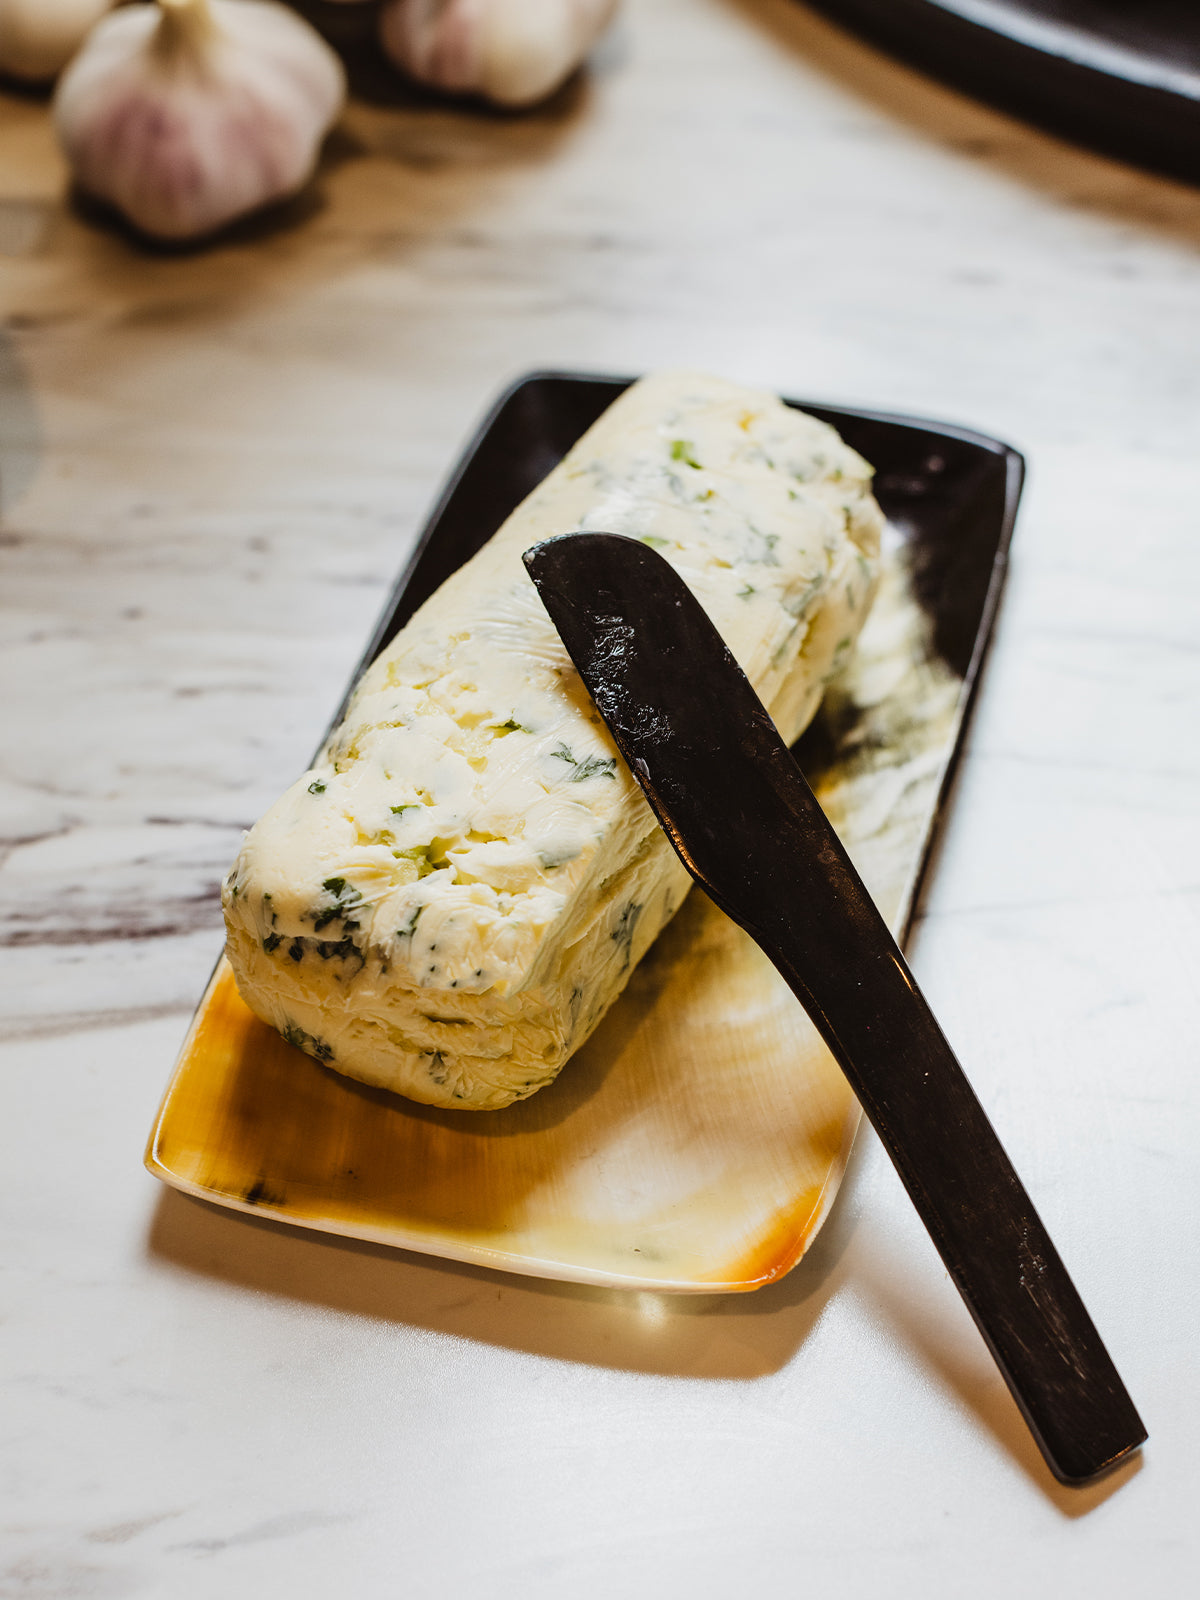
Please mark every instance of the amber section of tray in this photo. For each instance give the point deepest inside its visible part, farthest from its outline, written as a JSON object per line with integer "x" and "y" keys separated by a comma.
{"x": 693, "y": 1145}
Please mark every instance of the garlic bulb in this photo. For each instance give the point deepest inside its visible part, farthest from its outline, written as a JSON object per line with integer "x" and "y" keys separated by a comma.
{"x": 39, "y": 37}
{"x": 514, "y": 52}
{"x": 188, "y": 113}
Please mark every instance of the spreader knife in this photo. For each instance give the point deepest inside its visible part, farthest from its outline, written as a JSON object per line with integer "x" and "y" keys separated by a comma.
{"x": 737, "y": 810}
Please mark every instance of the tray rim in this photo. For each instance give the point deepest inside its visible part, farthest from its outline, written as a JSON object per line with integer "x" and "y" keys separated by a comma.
{"x": 528, "y": 1266}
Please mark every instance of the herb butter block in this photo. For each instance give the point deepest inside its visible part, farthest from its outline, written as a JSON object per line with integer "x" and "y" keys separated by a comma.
{"x": 454, "y": 895}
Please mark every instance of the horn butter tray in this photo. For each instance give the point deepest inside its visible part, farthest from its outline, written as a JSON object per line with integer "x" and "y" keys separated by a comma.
{"x": 698, "y": 1139}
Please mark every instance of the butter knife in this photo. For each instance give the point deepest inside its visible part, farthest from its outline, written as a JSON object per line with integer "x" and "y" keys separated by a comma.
{"x": 735, "y": 806}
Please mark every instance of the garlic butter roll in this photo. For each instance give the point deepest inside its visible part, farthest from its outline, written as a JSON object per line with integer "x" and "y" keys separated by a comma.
{"x": 449, "y": 901}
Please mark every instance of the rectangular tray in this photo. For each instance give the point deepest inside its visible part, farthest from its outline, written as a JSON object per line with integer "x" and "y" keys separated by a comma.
{"x": 697, "y": 1140}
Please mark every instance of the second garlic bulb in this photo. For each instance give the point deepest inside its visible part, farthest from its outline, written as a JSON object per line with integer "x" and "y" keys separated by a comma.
{"x": 39, "y": 37}
{"x": 188, "y": 113}
{"x": 513, "y": 52}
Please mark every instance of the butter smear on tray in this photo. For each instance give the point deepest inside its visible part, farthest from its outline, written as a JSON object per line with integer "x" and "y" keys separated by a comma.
{"x": 449, "y": 901}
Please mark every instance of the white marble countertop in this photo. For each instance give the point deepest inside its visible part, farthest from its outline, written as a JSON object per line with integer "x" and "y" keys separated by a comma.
{"x": 211, "y": 466}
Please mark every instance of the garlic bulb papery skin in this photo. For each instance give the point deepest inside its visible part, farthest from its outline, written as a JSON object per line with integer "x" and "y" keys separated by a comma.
{"x": 188, "y": 113}
{"x": 39, "y": 37}
{"x": 513, "y": 52}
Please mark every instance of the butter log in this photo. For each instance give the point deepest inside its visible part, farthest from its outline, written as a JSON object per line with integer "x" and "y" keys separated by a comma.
{"x": 449, "y": 901}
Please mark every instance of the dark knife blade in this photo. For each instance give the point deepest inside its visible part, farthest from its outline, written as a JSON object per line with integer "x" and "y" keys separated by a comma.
{"x": 735, "y": 806}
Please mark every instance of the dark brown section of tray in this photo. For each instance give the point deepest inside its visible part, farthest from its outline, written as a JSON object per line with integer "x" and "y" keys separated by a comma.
{"x": 950, "y": 492}
{"x": 953, "y": 493}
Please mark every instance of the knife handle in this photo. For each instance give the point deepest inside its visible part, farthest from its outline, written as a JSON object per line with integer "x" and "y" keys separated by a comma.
{"x": 858, "y": 989}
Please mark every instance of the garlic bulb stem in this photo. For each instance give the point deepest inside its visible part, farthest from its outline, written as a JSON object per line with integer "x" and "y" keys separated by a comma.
{"x": 183, "y": 28}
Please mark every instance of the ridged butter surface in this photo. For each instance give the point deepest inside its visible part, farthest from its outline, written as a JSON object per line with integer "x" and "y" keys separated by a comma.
{"x": 448, "y": 902}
